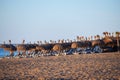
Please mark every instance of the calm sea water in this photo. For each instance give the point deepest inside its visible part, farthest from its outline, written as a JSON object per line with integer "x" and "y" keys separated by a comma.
{"x": 4, "y": 53}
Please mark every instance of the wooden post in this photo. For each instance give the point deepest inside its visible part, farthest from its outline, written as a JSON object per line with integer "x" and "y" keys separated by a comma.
{"x": 118, "y": 44}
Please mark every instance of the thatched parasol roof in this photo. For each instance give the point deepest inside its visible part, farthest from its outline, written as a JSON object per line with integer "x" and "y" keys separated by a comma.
{"x": 86, "y": 44}
{"x": 57, "y": 47}
{"x": 97, "y": 42}
{"x": 66, "y": 45}
{"x": 40, "y": 48}
{"x": 45, "y": 47}
{"x": 75, "y": 45}
{"x": 107, "y": 40}
{"x": 22, "y": 47}
{"x": 32, "y": 46}
{"x": 8, "y": 47}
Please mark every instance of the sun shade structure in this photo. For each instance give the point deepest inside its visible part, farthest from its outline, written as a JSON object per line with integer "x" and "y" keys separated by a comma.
{"x": 22, "y": 47}
{"x": 75, "y": 45}
{"x": 107, "y": 40}
{"x": 45, "y": 47}
{"x": 57, "y": 47}
{"x": 79, "y": 44}
{"x": 8, "y": 47}
{"x": 97, "y": 42}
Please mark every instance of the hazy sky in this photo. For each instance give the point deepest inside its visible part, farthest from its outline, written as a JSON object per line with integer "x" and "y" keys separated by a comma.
{"x": 35, "y": 20}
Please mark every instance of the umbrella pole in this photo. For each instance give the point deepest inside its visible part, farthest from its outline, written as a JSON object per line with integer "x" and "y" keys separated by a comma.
{"x": 117, "y": 36}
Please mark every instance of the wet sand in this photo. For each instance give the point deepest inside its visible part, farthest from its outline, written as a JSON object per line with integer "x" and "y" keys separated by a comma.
{"x": 104, "y": 66}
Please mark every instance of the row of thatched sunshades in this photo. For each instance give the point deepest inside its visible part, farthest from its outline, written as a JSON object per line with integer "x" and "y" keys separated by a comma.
{"x": 55, "y": 46}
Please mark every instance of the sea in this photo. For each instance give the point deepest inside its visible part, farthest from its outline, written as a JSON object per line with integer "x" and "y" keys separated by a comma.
{"x": 4, "y": 53}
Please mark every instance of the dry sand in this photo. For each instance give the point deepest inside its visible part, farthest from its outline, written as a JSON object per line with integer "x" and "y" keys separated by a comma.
{"x": 104, "y": 66}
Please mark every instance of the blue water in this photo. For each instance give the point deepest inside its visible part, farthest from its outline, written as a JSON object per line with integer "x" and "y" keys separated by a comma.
{"x": 4, "y": 53}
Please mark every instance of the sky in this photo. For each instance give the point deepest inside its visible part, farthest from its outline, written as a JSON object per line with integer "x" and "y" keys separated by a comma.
{"x": 35, "y": 20}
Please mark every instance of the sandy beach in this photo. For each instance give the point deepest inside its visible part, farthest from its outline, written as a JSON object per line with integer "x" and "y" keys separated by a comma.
{"x": 104, "y": 66}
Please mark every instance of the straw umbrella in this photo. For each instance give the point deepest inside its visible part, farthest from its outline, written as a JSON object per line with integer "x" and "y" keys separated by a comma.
{"x": 57, "y": 47}
{"x": 107, "y": 40}
{"x": 97, "y": 43}
{"x": 66, "y": 46}
{"x": 8, "y": 47}
{"x": 40, "y": 48}
{"x": 74, "y": 45}
{"x": 86, "y": 44}
{"x": 45, "y": 48}
{"x": 22, "y": 48}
